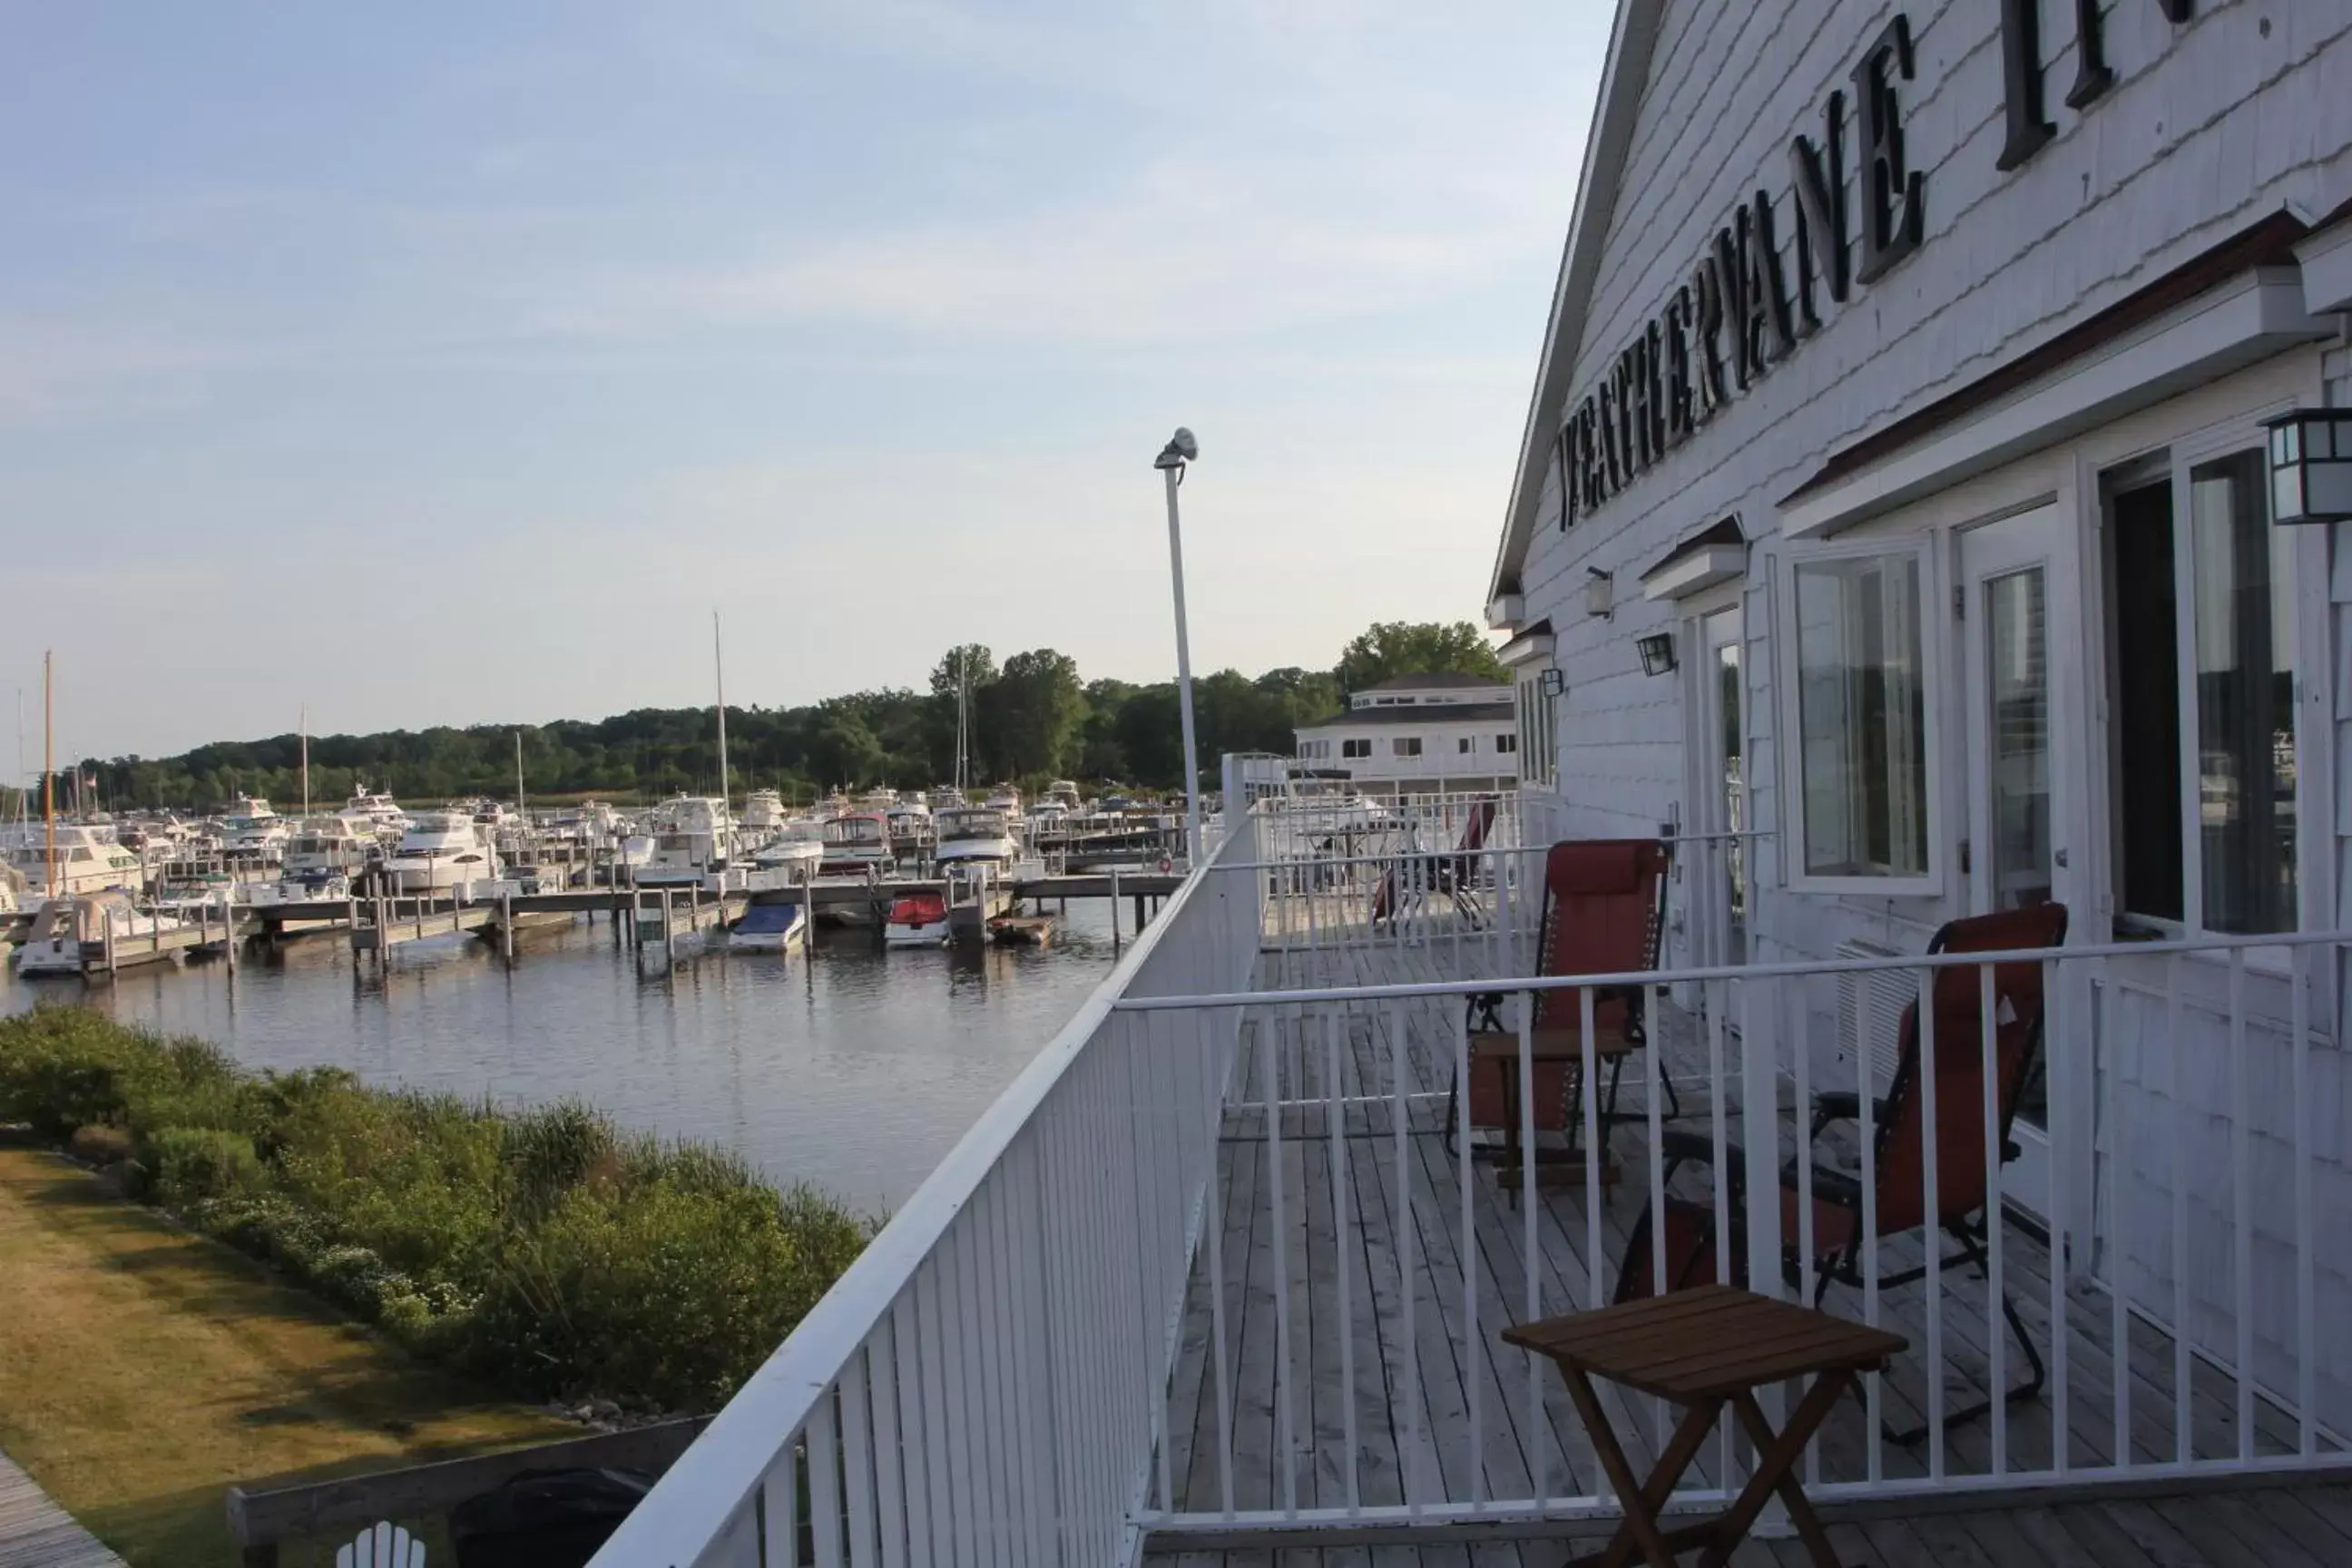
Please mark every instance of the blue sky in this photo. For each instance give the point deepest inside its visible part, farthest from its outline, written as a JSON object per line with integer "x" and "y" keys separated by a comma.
{"x": 451, "y": 363}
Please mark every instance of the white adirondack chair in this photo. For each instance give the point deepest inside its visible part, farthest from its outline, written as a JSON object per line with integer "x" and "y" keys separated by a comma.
{"x": 386, "y": 1545}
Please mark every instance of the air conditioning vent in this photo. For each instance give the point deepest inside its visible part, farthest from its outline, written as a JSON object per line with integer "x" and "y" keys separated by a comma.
{"x": 1870, "y": 1006}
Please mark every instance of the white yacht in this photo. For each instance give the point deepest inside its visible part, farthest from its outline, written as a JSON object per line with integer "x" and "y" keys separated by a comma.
{"x": 797, "y": 847}
{"x": 87, "y": 860}
{"x": 1005, "y": 798}
{"x": 1065, "y": 793}
{"x": 974, "y": 833}
{"x": 252, "y": 831}
{"x": 379, "y": 808}
{"x": 67, "y": 925}
{"x": 439, "y": 851}
{"x": 911, "y": 821}
{"x": 325, "y": 848}
{"x": 693, "y": 837}
{"x": 857, "y": 842}
{"x": 764, "y": 816}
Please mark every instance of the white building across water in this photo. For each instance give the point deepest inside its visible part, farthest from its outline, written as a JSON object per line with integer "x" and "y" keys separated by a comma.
{"x": 1420, "y": 734}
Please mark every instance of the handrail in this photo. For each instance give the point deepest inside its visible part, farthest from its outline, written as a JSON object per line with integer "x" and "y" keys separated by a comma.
{"x": 736, "y": 1453}
{"x": 1406, "y": 990}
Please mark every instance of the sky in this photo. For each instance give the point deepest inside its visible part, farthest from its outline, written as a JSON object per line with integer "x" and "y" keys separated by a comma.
{"x": 452, "y": 363}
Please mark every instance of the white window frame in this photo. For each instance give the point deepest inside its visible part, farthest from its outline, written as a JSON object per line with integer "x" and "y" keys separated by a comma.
{"x": 1925, "y": 546}
{"x": 1363, "y": 756}
{"x": 1466, "y": 745}
{"x": 1398, "y": 745}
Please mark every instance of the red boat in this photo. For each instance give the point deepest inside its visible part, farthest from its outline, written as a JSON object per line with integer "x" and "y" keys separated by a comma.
{"x": 917, "y": 919}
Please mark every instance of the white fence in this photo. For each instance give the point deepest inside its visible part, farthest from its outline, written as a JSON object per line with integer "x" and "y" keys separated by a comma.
{"x": 980, "y": 1385}
{"x": 1052, "y": 1355}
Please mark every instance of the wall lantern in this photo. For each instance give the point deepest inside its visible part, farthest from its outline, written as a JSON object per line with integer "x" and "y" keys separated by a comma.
{"x": 1657, "y": 651}
{"x": 1599, "y": 593}
{"x": 1554, "y": 683}
{"x": 2310, "y": 465}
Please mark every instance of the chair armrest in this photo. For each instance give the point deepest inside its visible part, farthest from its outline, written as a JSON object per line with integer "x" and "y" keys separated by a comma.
{"x": 1844, "y": 1105}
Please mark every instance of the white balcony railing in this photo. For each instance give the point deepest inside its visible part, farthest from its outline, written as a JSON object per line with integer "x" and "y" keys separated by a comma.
{"x": 1227, "y": 1263}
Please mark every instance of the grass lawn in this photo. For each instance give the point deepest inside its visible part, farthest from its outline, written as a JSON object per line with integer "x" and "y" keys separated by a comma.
{"x": 142, "y": 1371}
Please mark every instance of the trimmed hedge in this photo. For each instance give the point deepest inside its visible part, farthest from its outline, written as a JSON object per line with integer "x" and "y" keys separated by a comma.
{"x": 545, "y": 1248}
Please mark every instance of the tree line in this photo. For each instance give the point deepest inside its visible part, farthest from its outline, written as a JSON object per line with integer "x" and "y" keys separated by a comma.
{"x": 1030, "y": 718}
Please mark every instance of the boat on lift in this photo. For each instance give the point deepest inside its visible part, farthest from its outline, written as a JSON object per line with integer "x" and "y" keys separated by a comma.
{"x": 67, "y": 930}
{"x": 976, "y": 834}
{"x": 694, "y": 840}
{"x": 769, "y": 928}
{"x": 441, "y": 851}
{"x": 85, "y": 859}
{"x": 798, "y": 848}
{"x": 917, "y": 919}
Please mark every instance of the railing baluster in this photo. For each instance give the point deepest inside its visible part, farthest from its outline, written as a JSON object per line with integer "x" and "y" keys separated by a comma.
{"x": 1719, "y": 1173}
{"x": 905, "y": 1336}
{"x": 1931, "y": 1208}
{"x": 1588, "y": 1113}
{"x": 1284, "y": 1375}
{"x": 2306, "y": 1223}
{"x": 1808, "y": 1266}
{"x": 2110, "y": 1090}
{"x": 2241, "y": 1183}
{"x": 780, "y": 1501}
{"x": 1866, "y": 1133}
{"x": 1334, "y": 1117}
{"x": 1468, "y": 1252}
{"x": 1988, "y": 1066}
{"x": 1214, "y": 1225}
{"x": 1409, "y": 1467}
{"x": 2057, "y": 1071}
{"x": 857, "y": 1466}
{"x": 1531, "y": 1294}
{"x": 2176, "y": 1043}
{"x": 942, "y": 1428}
{"x": 1652, "y": 1096}
{"x": 824, "y": 1482}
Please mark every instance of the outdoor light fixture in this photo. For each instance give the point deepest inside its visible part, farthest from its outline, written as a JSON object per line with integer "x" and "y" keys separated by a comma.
{"x": 1554, "y": 683}
{"x": 1182, "y": 448}
{"x": 1657, "y": 651}
{"x": 2310, "y": 465}
{"x": 1600, "y": 596}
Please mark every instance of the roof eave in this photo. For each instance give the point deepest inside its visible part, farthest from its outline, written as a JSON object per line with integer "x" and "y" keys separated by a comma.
{"x": 1623, "y": 79}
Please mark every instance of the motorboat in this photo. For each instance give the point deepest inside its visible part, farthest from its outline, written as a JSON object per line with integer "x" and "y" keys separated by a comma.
{"x": 253, "y": 832}
{"x": 857, "y": 843}
{"x": 910, "y": 820}
{"x": 764, "y": 816}
{"x": 769, "y": 928}
{"x": 85, "y": 859}
{"x": 440, "y": 851}
{"x": 1006, "y": 798}
{"x": 379, "y": 808}
{"x": 917, "y": 919}
{"x": 798, "y": 848}
{"x": 974, "y": 833}
{"x": 1064, "y": 793}
{"x": 325, "y": 848}
{"x": 694, "y": 838}
{"x": 69, "y": 929}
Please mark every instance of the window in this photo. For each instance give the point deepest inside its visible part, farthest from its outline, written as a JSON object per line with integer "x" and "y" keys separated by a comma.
{"x": 1466, "y": 744}
{"x": 1861, "y": 717}
{"x": 1356, "y": 748}
{"x": 2206, "y": 530}
{"x": 1507, "y": 744}
{"x": 1406, "y": 745}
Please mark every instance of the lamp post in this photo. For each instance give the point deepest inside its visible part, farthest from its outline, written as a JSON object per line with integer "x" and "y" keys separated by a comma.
{"x": 1182, "y": 448}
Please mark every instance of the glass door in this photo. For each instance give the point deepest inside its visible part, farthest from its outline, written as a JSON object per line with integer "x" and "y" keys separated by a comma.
{"x": 1723, "y": 796}
{"x": 2025, "y": 755}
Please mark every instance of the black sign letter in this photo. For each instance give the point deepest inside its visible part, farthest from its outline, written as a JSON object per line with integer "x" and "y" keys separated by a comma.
{"x": 1894, "y": 217}
{"x": 2020, "y": 72}
{"x": 1820, "y": 179}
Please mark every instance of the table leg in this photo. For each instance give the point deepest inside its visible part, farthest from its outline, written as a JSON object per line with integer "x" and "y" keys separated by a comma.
{"x": 1776, "y": 1459}
{"x": 1640, "y": 1500}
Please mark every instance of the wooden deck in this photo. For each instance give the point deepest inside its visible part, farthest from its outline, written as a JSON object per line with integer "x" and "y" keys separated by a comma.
{"x": 1415, "y": 1403}
{"x": 35, "y": 1533}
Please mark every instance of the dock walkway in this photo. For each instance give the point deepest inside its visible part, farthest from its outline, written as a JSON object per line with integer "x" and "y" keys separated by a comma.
{"x": 35, "y": 1533}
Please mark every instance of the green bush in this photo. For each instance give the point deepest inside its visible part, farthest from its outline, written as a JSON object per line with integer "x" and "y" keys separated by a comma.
{"x": 186, "y": 1166}
{"x": 544, "y": 1247}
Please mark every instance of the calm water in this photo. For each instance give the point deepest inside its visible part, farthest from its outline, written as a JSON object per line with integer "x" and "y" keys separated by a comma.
{"x": 853, "y": 1067}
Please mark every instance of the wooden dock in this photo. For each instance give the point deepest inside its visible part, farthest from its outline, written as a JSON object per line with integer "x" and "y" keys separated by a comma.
{"x": 35, "y": 1533}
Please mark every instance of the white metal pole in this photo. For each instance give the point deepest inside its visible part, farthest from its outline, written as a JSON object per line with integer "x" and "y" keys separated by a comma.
{"x": 1184, "y": 674}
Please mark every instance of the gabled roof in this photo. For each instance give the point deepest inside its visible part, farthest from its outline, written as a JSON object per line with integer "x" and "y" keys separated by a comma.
{"x": 1435, "y": 713}
{"x": 1623, "y": 79}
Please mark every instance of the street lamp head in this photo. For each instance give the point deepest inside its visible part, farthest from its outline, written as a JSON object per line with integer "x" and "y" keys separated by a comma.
{"x": 1182, "y": 449}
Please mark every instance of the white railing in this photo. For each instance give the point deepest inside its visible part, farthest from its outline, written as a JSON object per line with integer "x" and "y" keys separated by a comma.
{"x": 2165, "y": 1258}
{"x": 981, "y": 1384}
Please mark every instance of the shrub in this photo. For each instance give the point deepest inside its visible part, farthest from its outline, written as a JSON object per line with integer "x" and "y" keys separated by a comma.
{"x": 544, "y": 1247}
{"x": 186, "y": 1166}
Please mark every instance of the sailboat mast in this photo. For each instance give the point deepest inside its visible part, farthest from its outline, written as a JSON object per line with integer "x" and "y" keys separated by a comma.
{"x": 304, "y": 722}
{"x": 48, "y": 776}
{"x": 522, "y": 806}
{"x": 963, "y": 708}
{"x": 719, "y": 668}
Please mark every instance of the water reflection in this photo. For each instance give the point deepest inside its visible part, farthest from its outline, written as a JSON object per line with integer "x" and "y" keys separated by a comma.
{"x": 853, "y": 1067}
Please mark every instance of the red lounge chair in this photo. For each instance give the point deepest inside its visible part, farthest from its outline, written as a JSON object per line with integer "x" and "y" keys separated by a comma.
{"x": 1603, "y": 909}
{"x": 1899, "y": 1163}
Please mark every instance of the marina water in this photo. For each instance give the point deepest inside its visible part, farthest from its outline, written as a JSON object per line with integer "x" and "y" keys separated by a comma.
{"x": 848, "y": 1067}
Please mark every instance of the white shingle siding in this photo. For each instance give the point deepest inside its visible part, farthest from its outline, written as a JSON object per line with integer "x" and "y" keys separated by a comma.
{"x": 2243, "y": 113}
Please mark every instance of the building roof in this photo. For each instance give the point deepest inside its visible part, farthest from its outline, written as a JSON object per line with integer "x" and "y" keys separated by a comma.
{"x": 1626, "y": 75}
{"x": 1435, "y": 680}
{"x": 1436, "y": 714}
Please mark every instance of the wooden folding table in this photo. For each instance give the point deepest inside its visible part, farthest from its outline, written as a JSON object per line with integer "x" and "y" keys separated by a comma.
{"x": 1703, "y": 1349}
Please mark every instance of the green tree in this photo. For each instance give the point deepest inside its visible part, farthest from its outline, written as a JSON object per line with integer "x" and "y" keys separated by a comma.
{"x": 844, "y": 751}
{"x": 1035, "y": 709}
{"x": 1390, "y": 648}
